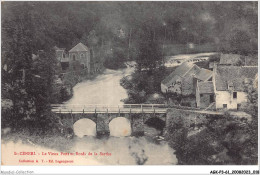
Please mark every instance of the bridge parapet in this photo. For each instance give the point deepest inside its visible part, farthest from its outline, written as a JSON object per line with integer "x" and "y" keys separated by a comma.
{"x": 101, "y": 108}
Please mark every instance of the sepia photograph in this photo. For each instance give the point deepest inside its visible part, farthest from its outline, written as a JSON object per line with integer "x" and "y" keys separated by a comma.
{"x": 129, "y": 83}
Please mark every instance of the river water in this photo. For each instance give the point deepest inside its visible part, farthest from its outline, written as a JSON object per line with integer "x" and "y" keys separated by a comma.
{"x": 104, "y": 89}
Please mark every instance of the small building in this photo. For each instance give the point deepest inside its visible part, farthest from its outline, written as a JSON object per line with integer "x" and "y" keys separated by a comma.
{"x": 60, "y": 53}
{"x": 62, "y": 58}
{"x": 229, "y": 59}
{"x": 229, "y": 85}
{"x": 183, "y": 79}
{"x": 79, "y": 57}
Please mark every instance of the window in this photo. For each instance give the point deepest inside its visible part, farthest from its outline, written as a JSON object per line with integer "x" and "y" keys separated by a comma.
{"x": 82, "y": 56}
{"x": 235, "y": 95}
{"x": 230, "y": 86}
{"x": 74, "y": 57}
{"x": 201, "y": 95}
{"x": 224, "y": 105}
{"x": 211, "y": 98}
{"x": 63, "y": 55}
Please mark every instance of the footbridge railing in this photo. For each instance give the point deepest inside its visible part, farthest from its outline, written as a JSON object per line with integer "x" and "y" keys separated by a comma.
{"x": 102, "y": 108}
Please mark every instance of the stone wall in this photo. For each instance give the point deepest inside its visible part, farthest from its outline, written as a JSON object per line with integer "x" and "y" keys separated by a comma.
{"x": 190, "y": 118}
{"x": 102, "y": 120}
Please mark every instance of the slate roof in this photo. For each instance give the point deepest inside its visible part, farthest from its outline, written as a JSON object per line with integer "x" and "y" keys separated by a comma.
{"x": 234, "y": 75}
{"x": 179, "y": 71}
{"x": 204, "y": 74}
{"x": 79, "y": 47}
{"x": 184, "y": 70}
{"x": 206, "y": 87}
{"x": 229, "y": 59}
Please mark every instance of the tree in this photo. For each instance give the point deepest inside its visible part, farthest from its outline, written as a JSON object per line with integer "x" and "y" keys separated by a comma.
{"x": 149, "y": 55}
{"x": 18, "y": 31}
{"x": 31, "y": 80}
{"x": 43, "y": 75}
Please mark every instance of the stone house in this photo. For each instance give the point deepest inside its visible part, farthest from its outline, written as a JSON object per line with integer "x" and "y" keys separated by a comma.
{"x": 235, "y": 60}
{"x": 227, "y": 88}
{"x": 183, "y": 80}
{"x": 229, "y": 59}
{"x": 229, "y": 85}
{"x": 62, "y": 58}
{"x": 79, "y": 58}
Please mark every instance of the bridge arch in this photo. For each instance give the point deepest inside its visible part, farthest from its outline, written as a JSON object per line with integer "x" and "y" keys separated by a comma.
{"x": 120, "y": 127}
{"x": 155, "y": 122}
{"x": 84, "y": 127}
{"x": 79, "y": 116}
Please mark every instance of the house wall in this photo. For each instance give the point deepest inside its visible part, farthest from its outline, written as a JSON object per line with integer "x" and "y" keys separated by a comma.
{"x": 77, "y": 63}
{"x": 204, "y": 100}
{"x": 59, "y": 54}
{"x": 197, "y": 96}
{"x": 182, "y": 85}
{"x": 226, "y": 97}
{"x": 176, "y": 87}
{"x": 188, "y": 85}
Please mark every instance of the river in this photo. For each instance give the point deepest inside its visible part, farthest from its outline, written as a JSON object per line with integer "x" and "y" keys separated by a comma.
{"x": 104, "y": 89}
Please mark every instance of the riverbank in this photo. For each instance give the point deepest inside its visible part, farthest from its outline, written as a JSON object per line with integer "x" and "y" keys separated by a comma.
{"x": 63, "y": 88}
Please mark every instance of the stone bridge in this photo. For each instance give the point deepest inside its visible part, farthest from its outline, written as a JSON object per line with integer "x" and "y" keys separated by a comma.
{"x": 102, "y": 115}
